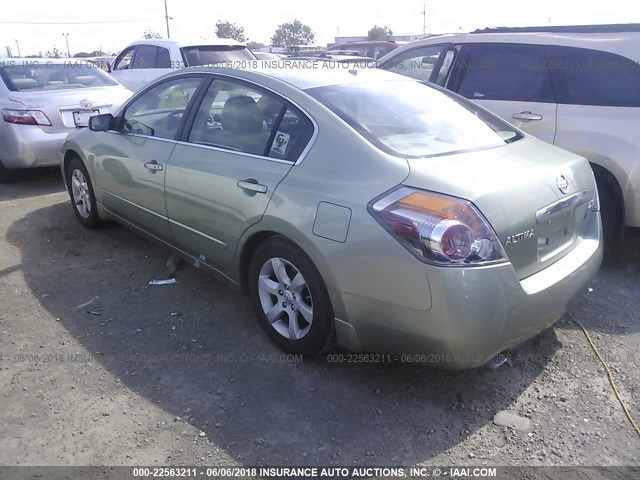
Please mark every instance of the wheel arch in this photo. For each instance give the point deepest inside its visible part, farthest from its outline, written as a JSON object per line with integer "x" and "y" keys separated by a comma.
{"x": 270, "y": 227}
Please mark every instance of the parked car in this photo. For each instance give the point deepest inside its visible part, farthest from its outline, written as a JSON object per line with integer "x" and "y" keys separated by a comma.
{"x": 145, "y": 60}
{"x": 375, "y": 49}
{"x": 268, "y": 56}
{"x": 104, "y": 62}
{"x": 575, "y": 87}
{"x": 360, "y": 205}
{"x": 42, "y": 100}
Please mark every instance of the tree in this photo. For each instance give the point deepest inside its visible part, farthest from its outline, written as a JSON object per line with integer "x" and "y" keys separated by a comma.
{"x": 55, "y": 53}
{"x": 379, "y": 33}
{"x": 230, "y": 30}
{"x": 148, "y": 33}
{"x": 82, "y": 55}
{"x": 292, "y": 33}
{"x": 251, "y": 45}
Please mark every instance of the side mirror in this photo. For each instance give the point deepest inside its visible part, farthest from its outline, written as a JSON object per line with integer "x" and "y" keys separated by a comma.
{"x": 102, "y": 123}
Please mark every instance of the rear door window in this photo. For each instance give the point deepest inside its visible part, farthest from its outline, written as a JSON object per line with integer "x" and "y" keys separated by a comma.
{"x": 238, "y": 117}
{"x": 164, "y": 58}
{"x": 145, "y": 57}
{"x": 591, "y": 77}
{"x": 503, "y": 72}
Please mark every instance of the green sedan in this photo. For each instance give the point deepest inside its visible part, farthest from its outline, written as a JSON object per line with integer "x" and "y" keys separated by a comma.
{"x": 357, "y": 208}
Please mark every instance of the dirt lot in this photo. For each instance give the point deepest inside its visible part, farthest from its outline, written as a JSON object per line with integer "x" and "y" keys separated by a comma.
{"x": 99, "y": 367}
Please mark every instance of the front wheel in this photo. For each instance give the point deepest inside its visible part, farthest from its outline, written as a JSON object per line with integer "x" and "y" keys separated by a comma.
{"x": 82, "y": 195}
{"x": 290, "y": 299}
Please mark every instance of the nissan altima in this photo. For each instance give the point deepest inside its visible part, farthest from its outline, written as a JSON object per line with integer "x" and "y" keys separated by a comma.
{"x": 356, "y": 208}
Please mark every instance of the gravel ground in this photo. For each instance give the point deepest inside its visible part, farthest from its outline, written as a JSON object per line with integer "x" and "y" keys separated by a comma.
{"x": 97, "y": 367}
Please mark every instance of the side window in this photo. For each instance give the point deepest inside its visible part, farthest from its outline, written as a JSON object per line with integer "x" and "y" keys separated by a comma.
{"x": 145, "y": 57}
{"x": 236, "y": 117}
{"x": 163, "y": 59}
{"x": 292, "y": 135}
{"x": 592, "y": 77}
{"x": 503, "y": 72}
{"x": 123, "y": 62}
{"x": 417, "y": 63}
{"x": 447, "y": 63}
{"x": 159, "y": 111}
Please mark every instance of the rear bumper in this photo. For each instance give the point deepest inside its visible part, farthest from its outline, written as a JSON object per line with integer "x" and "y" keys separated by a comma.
{"x": 28, "y": 146}
{"x": 476, "y": 313}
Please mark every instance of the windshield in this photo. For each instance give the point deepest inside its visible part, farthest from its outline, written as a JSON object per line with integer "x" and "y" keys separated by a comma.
{"x": 38, "y": 76}
{"x": 408, "y": 118}
{"x": 212, "y": 54}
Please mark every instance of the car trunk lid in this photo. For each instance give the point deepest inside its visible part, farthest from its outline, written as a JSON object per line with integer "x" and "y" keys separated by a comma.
{"x": 534, "y": 195}
{"x": 68, "y": 109}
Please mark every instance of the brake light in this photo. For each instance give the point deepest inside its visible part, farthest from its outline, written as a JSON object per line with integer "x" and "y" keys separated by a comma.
{"x": 438, "y": 229}
{"x": 25, "y": 117}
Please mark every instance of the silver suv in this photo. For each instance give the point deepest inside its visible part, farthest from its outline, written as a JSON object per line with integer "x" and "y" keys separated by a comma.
{"x": 575, "y": 87}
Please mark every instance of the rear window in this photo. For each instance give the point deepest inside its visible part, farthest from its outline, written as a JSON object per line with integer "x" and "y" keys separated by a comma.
{"x": 411, "y": 119}
{"x": 38, "y": 76}
{"x": 213, "y": 54}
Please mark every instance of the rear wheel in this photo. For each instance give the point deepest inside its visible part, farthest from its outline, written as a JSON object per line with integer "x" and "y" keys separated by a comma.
{"x": 290, "y": 299}
{"x": 82, "y": 195}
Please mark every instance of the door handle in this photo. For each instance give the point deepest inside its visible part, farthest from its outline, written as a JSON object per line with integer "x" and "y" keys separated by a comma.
{"x": 153, "y": 166}
{"x": 252, "y": 185}
{"x": 527, "y": 116}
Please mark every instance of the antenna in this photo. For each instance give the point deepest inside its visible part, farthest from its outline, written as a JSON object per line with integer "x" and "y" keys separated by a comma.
{"x": 424, "y": 19}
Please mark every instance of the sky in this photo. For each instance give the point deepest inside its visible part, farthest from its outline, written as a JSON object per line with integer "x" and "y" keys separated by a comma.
{"x": 119, "y": 22}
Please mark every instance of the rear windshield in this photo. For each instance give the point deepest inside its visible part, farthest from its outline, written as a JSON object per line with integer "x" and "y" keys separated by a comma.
{"x": 213, "y": 54}
{"x": 412, "y": 119}
{"x": 37, "y": 76}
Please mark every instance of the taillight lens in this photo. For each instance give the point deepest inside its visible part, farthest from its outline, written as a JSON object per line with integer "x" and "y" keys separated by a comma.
{"x": 438, "y": 229}
{"x": 25, "y": 117}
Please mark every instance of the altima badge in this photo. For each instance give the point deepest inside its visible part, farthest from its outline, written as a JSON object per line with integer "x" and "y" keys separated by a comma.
{"x": 518, "y": 237}
{"x": 562, "y": 183}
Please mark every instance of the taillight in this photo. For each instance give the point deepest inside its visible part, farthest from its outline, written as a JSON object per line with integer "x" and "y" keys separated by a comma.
{"x": 25, "y": 117}
{"x": 438, "y": 229}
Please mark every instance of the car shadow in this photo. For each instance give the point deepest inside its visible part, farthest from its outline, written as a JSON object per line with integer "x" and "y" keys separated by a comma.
{"x": 195, "y": 349}
{"x": 33, "y": 183}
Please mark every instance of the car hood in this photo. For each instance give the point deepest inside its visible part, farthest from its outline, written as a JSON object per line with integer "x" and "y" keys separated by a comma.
{"x": 512, "y": 185}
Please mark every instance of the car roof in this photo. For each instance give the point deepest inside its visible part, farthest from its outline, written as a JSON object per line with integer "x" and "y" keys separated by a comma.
{"x": 306, "y": 76}
{"x": 183, "y": 43}
{"x": 625, "y": 43}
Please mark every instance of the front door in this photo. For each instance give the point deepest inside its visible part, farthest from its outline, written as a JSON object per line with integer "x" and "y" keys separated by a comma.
{"x": 131, "y": 165}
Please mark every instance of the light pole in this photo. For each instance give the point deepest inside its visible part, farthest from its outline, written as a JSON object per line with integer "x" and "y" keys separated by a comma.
{"x": 18, "y": 47}
{"x": 66, "y": 36}
{"x": 166, "y": 18}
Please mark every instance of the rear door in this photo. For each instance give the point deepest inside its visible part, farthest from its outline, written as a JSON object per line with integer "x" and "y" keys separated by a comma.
{"x": 241, "y": 143}
{"x": 512, "y": 81}
{"x": 599, "y": 113}
{"x": 131, "y": 163}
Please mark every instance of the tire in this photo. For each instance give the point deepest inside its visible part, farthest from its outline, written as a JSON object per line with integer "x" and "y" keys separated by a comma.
{"x": 286, "y": 287}
{"x": 81, "y": 193}
{"x": 8, "y": 175}
{"x": 612, "y": 217}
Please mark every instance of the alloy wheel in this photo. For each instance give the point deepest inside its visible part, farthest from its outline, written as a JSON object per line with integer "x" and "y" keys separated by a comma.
{"x": 285, "y": 298}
